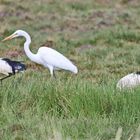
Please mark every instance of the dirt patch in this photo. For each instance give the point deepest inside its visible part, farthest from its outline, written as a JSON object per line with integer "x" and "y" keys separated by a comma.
{"x": 103, "y": 2}
{"x": 49, "y": 43}
{"x": 132, "y": 2}
{"x": 108, "y": 18}
{"x": 70, "y": 24}
{"x": 5, "y": 14}
{"x": 34, "y": 66}
{"x": 14, "y": 53}
{"x": 84, "y": 47}
{"x": 16, "y": 127}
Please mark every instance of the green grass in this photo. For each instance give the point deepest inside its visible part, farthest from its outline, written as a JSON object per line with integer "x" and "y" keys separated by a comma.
{"x": 84, "y": 106}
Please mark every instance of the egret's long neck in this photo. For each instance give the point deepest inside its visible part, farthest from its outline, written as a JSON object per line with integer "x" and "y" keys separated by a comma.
{"x": 32, "y": 56}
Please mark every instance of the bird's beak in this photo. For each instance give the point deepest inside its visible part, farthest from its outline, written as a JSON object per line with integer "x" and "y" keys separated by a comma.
{"x": 10, "y": 37}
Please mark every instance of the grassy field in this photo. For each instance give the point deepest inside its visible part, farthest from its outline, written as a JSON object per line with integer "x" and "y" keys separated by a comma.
{"x": 102, "y": 38}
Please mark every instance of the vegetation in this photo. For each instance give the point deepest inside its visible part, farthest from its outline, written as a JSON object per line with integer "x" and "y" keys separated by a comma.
{"x": 102, "y": 38}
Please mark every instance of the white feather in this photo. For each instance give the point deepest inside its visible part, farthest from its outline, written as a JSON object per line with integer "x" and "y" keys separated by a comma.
{"x": 51, "y": 57}
{"x": 129, "y": 81}
{"x": 5, "y": 68}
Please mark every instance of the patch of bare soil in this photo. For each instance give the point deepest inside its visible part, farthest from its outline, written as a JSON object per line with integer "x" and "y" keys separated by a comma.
{"x": 103, "y": 2}
{"x": 49, "y": 43}
{"x": 132, "y": 2}
{"x": 14, "y": 53}
{"x": 5, "y": 14}
{"x": 84, "y": 47}
{"x": 95, "y": 20}
{"x": 34, "y": 66}
{"x": 71, "y": 24}
{"x": 108, "y": 18}
{"x": 14, "y": 11}
{"x": 16, "y": 127}
{"x": 71, "y": 1}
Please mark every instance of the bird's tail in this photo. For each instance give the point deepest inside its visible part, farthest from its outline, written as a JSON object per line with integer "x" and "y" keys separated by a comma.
{"x": 75, "y": 70}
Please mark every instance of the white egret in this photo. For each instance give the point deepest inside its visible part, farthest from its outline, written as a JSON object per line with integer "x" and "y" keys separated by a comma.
{"x": 45, "y": 56}
{"x": 129, "y": 81}
{"x": 9, "y": 67}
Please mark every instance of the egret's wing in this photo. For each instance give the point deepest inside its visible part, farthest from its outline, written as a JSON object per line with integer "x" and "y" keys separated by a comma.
{"x": 55, "y": 59}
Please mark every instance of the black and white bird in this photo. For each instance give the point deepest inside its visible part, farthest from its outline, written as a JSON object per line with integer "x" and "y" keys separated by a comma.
{"x": 129, "y": 81}
{"x": 9, "y": 67}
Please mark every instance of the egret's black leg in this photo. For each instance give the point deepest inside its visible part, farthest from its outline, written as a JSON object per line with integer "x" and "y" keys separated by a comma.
{"x": 54, "y": 75}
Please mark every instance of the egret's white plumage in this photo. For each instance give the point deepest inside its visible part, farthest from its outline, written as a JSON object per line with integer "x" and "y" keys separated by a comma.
{"x": 129, "y": 81}
{"x": 45, "y": 56}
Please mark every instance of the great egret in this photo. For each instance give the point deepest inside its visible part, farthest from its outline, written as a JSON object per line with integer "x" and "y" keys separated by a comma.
{"x": 129, "y": 81}
{"x": 45, "y": 56}
{"x": 9, "y": 67}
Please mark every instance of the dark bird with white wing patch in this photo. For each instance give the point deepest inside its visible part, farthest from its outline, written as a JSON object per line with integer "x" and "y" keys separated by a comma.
{"x": 9, "y": 67}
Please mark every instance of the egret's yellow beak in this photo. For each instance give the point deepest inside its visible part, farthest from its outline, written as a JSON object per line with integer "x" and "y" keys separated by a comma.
{"x": 10, "y": 37}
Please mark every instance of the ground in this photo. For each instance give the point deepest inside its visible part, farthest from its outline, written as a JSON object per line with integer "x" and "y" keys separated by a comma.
{"x": 102, "y": 38}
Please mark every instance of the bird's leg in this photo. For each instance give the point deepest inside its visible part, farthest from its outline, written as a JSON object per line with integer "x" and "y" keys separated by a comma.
{"x": 52, "y": 72}
{"x": 54, "y": 75}
{"x": 5, "y": 78}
